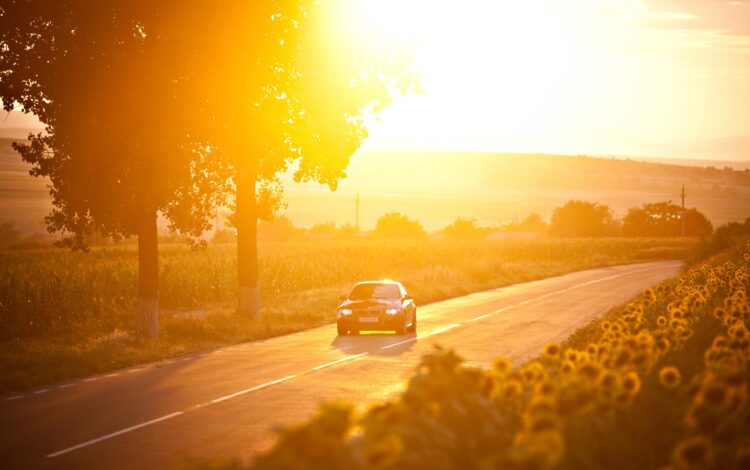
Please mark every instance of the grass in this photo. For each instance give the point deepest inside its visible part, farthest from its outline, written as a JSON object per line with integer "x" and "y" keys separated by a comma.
{"x": 65, "y": 315}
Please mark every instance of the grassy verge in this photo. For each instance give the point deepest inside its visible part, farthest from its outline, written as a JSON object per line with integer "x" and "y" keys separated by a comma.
{"x": 662, "y": 382}
{"x": 65, "y": 315}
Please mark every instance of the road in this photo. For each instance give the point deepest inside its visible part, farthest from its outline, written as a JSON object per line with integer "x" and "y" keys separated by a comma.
{"x": 229, "y": 401}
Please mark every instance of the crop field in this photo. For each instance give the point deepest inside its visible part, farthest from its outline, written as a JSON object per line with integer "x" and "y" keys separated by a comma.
{"x": 658, "y": 383}
{"x": 66, "y": 314}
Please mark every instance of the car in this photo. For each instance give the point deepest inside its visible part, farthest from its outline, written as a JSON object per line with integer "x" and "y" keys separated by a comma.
{"x": 376, "y": 306}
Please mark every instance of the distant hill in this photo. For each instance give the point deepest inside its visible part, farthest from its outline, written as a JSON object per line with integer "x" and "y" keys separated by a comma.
{"x": 436, "y": 187}
{"x": 17, "y": 133}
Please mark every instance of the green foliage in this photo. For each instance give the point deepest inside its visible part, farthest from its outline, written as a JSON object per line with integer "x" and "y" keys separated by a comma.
{"x": 724, "y": 237}
{"x": 397, "y": 225}
{"x": 115, "y": 150}
{"x": 532, "y": 223}
{"x": 664, "y": 219}
{"x": 465, "y": 229}
{"x": 582, "y": 219}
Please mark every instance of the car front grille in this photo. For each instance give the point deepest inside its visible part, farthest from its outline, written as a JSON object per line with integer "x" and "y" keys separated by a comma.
{"x": 368, "y": 312}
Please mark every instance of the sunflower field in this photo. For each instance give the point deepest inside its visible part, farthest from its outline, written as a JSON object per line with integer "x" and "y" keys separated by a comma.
{"x": 660, "y": 383}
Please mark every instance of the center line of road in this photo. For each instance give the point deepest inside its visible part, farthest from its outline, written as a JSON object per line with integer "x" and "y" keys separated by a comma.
{"x": 343, "y": 359}
{"x": 443, "y": 330}
{"x": 114, "y": 434}
{"x": 399, "y": 343}
{"x": 480, "y": 317}
{"x": 252, "y": 389}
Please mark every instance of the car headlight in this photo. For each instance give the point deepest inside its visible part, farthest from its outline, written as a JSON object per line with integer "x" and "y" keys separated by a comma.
{"x": 393, "y": 311}
{"x": 345, "y": 311}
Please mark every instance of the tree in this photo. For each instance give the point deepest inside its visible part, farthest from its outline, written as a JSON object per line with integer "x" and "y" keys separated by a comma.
{"x": 118, "y": 148}
{"x": 664, "y": 219}
{"x": 397, "y": 225}
{"x": 465, "y": 229}
{"x": 582, "y": 219}
{"x": 532, "y": 223}
{"x": 290, "y": 84}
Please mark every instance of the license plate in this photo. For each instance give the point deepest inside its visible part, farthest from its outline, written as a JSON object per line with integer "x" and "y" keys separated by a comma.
{"x": 368, "y": 319}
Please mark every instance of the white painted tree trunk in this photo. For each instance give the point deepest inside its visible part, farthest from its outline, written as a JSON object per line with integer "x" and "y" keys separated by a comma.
{"x": 148, "y": 312}
{"x": 249, "y": 301}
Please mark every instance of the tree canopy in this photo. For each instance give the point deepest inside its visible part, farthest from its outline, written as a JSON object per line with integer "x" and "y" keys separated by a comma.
{"x": 582, "y": 219}
{"x": 397, "y": 225}
{"x": 664, "y": 219}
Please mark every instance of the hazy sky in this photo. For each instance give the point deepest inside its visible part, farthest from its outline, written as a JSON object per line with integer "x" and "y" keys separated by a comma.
{"x": 564, "y": 76}
{"x": 602, "y": 76}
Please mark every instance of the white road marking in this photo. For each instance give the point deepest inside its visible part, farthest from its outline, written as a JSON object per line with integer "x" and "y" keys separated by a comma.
{"x": 39, "y": 392}
{"x": 400, "y": 343}
{"x": 16, "y": 397}
{"x": 343, "y": 359}
{"x": 91, "y": 379}
{"x": 65, "y": 386}
{"x": 114, "y": 434}
{"x": 596, "y": 281}
{"x": 443, "y": 330}
{"x": 252, "y": 389}
{"x": 480, "y": 317}
{"x": 135, "y": 370}
{"x": 112, "y": 375}
{"x": 186, "y": 358}
{"x": 582, "y": 284}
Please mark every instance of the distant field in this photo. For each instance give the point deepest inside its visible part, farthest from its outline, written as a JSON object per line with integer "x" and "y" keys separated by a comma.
{"x": 493, "y": 188}
{"x": 65, "y": 314}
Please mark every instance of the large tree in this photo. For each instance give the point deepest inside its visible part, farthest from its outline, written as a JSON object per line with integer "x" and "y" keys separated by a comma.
{"x": 106, "y": 80}
{"x": 665, "y": 219}
{"x": 582, "y": 219}
{"x": 287, "y": 83}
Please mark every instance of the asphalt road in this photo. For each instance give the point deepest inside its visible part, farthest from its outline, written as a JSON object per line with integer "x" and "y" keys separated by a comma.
{"x": 229, "y": 401}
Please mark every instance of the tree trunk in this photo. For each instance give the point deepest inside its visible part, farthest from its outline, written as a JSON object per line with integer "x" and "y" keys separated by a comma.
{"x": 247, "y": 245}
{"x": 148, "y": 277}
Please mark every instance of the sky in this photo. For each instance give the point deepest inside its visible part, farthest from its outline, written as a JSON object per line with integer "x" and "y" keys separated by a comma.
{"x": 622, "y": 77}
{"x": 608, "y": 77}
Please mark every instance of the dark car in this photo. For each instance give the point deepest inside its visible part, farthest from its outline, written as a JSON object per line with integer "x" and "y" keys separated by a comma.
{"x": 377, "y": 306}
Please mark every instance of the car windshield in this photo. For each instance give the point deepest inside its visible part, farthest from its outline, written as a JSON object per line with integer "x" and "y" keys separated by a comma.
{"x": 375, "y": 291}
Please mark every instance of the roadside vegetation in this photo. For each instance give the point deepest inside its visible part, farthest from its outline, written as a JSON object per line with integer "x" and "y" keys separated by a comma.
{"x": 67, "y": 314}
{"x": 660, "y": 383}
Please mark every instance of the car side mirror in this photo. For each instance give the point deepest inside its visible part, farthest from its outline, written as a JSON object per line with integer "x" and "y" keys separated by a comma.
{"x": 342, "y": 297}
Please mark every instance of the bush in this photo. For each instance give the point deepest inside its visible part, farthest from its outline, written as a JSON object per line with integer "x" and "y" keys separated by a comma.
{"x": 582, "y": 219}
{"x": 397, "y": 225}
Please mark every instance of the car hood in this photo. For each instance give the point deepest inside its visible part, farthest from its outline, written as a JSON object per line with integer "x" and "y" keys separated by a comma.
{"x": 358, "y": 304}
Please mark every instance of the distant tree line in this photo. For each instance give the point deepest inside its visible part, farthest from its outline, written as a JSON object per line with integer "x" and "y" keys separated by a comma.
{"x": 573, "y": 219}
{"x": 659, "y": 219}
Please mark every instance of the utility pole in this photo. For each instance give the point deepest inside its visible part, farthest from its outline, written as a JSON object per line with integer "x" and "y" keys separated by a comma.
{"x": 357, "y": 219}
{"x": 682, "y": 216}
